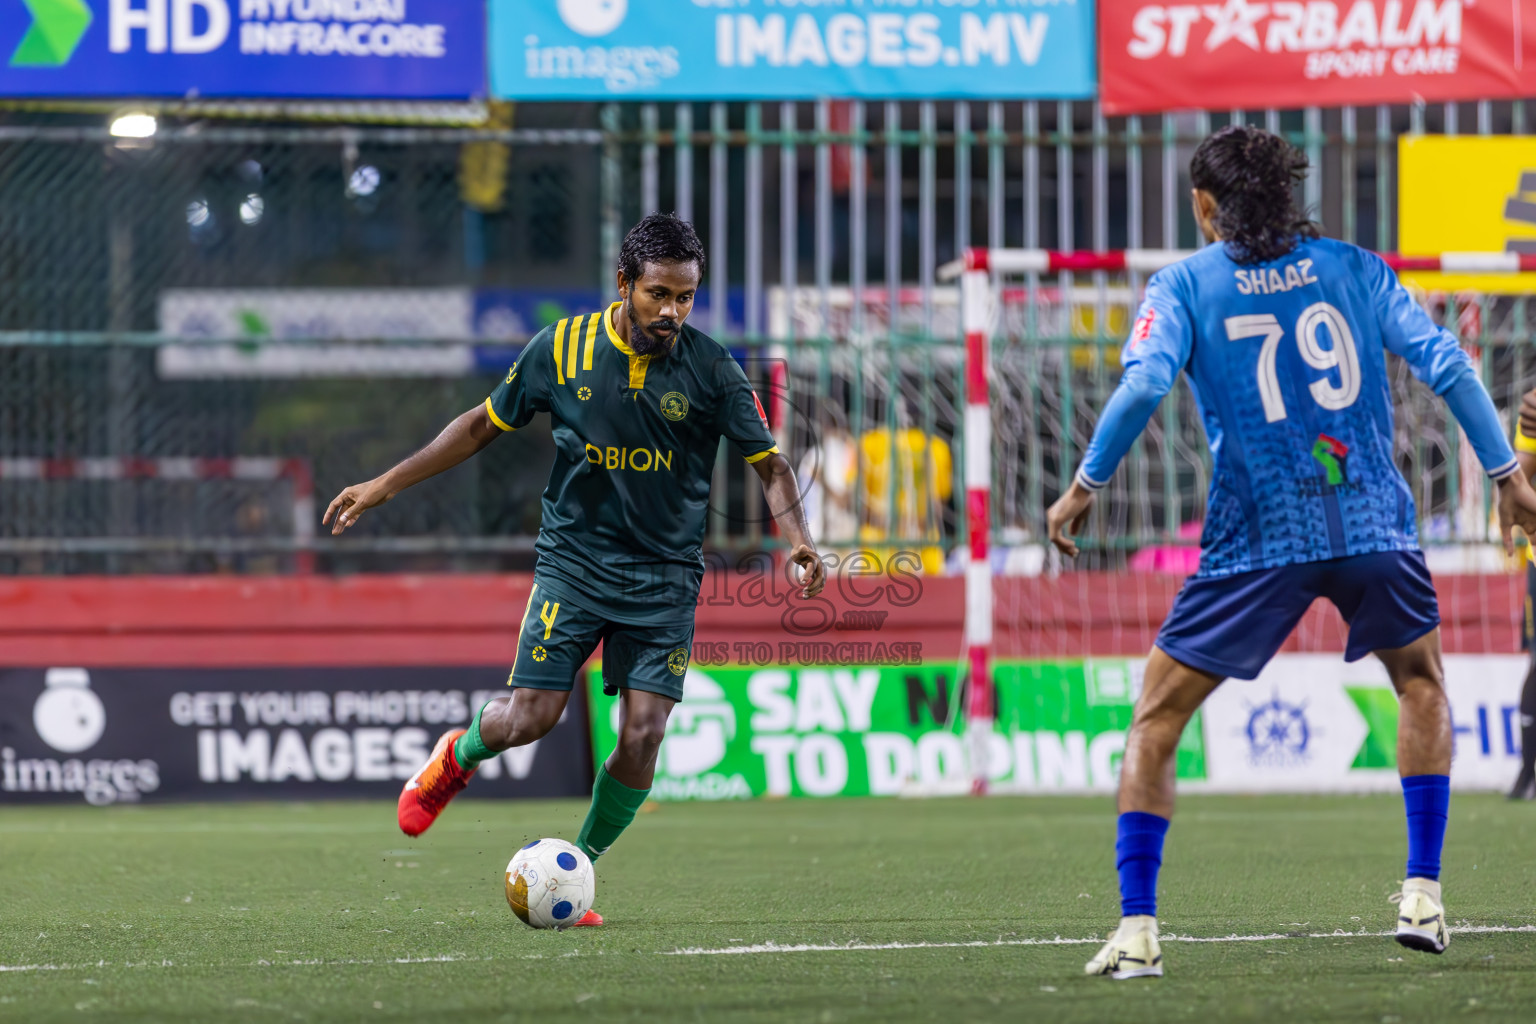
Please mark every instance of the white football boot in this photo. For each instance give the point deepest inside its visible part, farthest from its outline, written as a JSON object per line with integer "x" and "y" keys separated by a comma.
{"x": 1132, "y": 952}
{"x": 1421, "y": 916}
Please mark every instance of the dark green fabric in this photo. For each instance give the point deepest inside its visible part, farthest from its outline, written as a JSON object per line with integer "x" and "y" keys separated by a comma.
{"x": 614, "y": 806}
{"x": 628, "y": 495}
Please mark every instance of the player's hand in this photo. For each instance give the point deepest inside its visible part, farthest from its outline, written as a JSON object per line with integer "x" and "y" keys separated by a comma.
{"x": 1070, "y": 512}
{"x": 351, "y": 503}
{"x": 815, "y": 573}
{"x": 1517, "y": 507}
{"x": 1528, "y": 413}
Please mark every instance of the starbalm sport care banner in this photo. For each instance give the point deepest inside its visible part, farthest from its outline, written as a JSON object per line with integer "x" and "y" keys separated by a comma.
{"x": 1289, "y": 53}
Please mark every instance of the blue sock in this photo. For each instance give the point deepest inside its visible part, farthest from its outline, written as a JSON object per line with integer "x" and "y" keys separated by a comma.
{"x": 1138, "y": 855}
{"x": 1427, "y": 799}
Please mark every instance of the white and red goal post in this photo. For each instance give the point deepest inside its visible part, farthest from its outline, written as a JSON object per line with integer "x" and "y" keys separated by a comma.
{"x": 979, "y": 273}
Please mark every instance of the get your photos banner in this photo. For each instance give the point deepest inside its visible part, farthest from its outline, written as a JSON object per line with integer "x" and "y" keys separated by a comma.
{"x": 1242, "y": 54}
{"x": 759, "y": 49}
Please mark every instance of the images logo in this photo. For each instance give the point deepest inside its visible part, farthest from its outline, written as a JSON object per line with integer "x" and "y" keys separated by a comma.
{"x": 69, "y": 716}
{"x": 57, "y": 28}
{"x": 593, "y": 17}
{"x": 1331, "y": 453}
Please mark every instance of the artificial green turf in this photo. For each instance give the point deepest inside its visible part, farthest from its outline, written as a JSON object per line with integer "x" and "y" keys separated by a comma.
{"x": 300, "y": 912}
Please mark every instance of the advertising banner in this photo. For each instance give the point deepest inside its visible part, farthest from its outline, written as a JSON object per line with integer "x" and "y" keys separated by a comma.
{"x": 762, "y": 49}
{"x": 320, "y": 49}
{"x": 1467, "y": 194}
{"x": 107, "y": 736}
{"x": 876, "y": 731}
{"x": 1312, "y": 723}
{"x": 1160, "y": 56}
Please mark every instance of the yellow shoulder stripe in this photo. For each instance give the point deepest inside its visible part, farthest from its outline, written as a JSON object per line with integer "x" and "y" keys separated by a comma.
{"x": 1525, "y": 444}
{"x": 560, "y": 350}
{"x": 760, "y": 456}
{"x": 491, "y": 411}
{"x": 586, "y": 352}
{"x": 570, "y": 359}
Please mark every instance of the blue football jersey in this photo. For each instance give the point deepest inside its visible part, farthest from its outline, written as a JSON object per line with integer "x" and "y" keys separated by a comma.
{"x": 1287, "y": 363}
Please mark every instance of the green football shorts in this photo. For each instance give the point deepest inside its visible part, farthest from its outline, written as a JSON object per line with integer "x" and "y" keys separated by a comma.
{"x": 557, "y": 637}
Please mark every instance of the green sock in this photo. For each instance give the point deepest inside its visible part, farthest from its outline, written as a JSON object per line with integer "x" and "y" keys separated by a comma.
{"x": 469, "y": 750}
{"x": 613, "y": 808}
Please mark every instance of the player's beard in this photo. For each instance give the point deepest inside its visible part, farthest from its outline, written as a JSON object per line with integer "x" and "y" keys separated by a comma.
{"x": 646, "y": 345}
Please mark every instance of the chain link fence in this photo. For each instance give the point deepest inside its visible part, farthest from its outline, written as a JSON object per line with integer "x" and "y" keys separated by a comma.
{"x": 205, "y": 335}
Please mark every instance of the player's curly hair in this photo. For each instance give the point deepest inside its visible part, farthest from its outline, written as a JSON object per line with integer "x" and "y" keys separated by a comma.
{"x": 659, "y": 238}
{"x": 1252, "y": 174}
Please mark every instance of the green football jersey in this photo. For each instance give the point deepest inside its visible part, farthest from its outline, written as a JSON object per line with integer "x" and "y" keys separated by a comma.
{"x": 635, "y": 444}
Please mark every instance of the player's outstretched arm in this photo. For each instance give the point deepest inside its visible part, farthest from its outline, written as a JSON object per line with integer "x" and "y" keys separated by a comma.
{"x": 1158, "y": 349}
{"x": 1068, "y": 513}
{"x": 465, "y": 436}
{"x": 788, "y": 511}
{"x": 1525, "y": 436}
{"x": 1517, "y": 507}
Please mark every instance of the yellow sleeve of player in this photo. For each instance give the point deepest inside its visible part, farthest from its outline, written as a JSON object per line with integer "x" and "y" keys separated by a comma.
{"x": 1525, "y": 444}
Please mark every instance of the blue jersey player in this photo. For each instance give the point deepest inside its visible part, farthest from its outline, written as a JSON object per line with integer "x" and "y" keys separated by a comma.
{"x": 1283, "y": 335}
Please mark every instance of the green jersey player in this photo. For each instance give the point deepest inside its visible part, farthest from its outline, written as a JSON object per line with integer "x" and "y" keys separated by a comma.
{"x": 638, "y": 401}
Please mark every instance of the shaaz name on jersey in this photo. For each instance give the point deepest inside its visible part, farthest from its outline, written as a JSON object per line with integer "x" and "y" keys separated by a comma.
{"x": 1272, "y": 281}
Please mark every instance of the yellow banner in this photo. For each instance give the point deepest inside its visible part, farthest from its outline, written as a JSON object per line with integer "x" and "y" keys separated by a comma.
{"x": 1467, "y": 194}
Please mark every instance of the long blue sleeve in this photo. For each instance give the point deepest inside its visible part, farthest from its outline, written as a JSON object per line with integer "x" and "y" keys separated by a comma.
{"x": 1469, "y": 402}
{"x": 1440, "y": 362}
{"x": 1158, "y": 348}
{"x": 1124, "y": 417}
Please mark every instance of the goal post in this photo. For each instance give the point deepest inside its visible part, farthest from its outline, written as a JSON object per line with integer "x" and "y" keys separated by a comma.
{"x": 975, "y": 305}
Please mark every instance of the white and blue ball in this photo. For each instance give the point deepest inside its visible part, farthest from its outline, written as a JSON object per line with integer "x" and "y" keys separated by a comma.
{"x": 550, "y": 884}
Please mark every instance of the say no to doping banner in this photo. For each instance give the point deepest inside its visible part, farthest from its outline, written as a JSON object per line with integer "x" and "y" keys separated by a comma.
{"x": 749, "y": 49}
{"x": 365, "y": 49}
{"x": 1296, "y": 53}
{"x": 1309, "y": 723}
{"x": 865, "y": 731}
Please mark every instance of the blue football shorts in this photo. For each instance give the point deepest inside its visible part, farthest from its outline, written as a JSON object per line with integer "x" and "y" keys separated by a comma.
{"x": 1233, "y": 625}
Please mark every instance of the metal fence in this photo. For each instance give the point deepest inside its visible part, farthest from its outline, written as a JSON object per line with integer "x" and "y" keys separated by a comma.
{"x": 825, "y": 223}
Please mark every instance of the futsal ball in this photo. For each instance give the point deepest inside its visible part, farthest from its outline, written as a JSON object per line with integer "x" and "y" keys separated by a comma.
{"x": 549, "y": 884}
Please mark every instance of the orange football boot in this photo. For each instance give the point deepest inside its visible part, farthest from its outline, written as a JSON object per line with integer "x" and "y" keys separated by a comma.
{"x": 591, "y": 919}
{"x": 429, "y": 790}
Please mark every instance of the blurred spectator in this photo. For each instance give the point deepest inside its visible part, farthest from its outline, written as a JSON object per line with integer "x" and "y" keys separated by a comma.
{"x": 908, "y": 477}
{"x": 828, "y": 473}
{"x": 1179, "y": 559}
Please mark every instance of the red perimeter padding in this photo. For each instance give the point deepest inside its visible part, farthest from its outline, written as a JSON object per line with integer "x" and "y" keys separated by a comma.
{"x": 172, "y": 621}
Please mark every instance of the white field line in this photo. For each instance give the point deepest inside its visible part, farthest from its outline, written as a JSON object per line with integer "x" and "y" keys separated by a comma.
{"x": 772, "y": 947}
{"x": 767, "y": 947}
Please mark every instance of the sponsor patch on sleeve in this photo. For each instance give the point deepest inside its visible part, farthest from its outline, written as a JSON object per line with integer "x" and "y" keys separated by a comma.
{"x": 1143, "y": 327}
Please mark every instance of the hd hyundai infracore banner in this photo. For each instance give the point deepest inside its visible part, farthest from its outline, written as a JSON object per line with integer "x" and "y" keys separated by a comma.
{"x": 359, "y": 49}
{"x": 1298, "y": 53}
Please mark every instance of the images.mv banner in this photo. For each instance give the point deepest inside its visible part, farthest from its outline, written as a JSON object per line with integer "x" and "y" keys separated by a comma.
{"x": 781, "y": 49}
